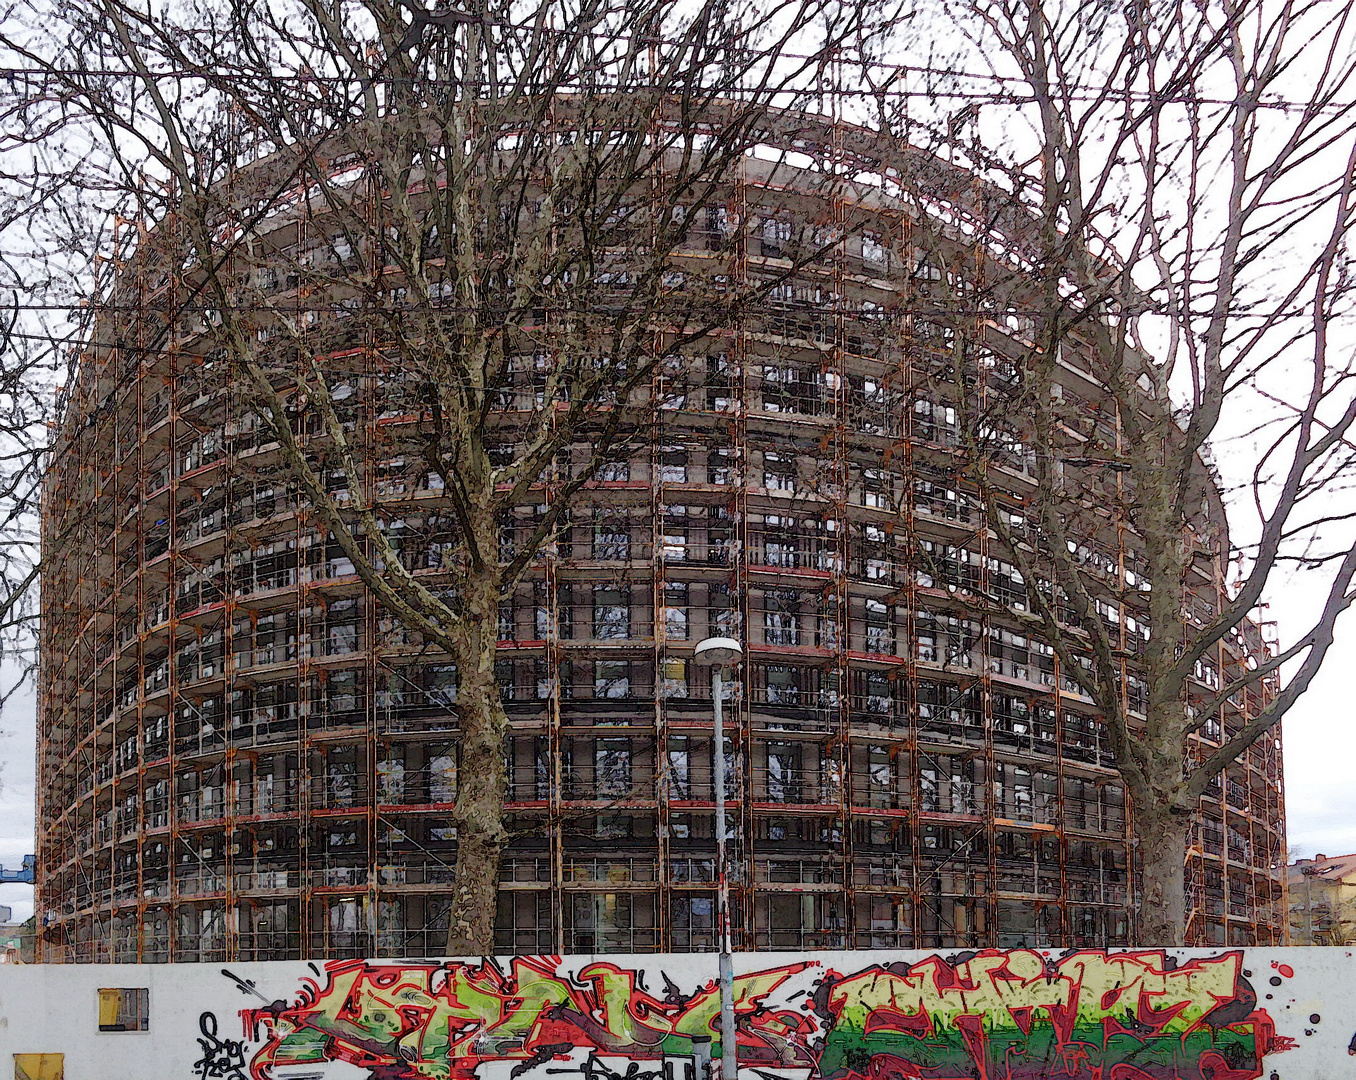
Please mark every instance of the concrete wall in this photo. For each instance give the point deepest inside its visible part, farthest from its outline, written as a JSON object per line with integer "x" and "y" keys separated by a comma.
{"x": 1279, "y": 1014}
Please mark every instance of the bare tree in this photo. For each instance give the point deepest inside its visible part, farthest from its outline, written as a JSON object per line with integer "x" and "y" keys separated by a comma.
{"x": 452, "y": 251}
{"x": 31, "y": 366}
{"x": 49, "y": 252}
{"x": 497, "y": 204}
{"x": 1165, "y": 218}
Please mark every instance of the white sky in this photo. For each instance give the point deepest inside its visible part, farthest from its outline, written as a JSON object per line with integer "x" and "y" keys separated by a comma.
{"x": 18, "y": 733}
{"x": 1320, "y": 739}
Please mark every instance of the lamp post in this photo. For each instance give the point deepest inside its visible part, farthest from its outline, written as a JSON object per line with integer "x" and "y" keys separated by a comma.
{"x": 720, "y": 651}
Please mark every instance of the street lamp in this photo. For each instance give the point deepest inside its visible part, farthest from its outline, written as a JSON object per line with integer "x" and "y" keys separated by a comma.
{"x": 720, "y": 651}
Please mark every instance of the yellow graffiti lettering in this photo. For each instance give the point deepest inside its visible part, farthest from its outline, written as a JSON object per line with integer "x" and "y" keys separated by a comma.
{"x": 536, "y": 991}
{"x": 1010, "y": 981}
{"x": 994, "y": 984}
{"x": 615, "y": 993}
{"x": 1126, "y": 982}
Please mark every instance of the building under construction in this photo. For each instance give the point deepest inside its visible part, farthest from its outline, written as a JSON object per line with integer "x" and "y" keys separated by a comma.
{"x": 242, "y": 757}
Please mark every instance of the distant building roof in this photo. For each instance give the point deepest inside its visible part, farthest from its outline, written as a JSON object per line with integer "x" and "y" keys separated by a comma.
{"x": 1323, "y": 868}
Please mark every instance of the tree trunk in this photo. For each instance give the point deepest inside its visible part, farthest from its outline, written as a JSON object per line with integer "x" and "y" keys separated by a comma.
{"x": 1162, "y": 839}
{"x": 481, "y": 781}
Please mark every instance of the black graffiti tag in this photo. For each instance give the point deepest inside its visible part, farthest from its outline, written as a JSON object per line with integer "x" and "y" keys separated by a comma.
{"x": 594, "y": 1069}
{"x": 222, "y": 1059}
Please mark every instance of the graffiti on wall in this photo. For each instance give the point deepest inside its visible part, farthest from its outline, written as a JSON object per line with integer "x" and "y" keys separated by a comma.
{"x": 991, "y": 1015}
{"x": 222, "y": 1059}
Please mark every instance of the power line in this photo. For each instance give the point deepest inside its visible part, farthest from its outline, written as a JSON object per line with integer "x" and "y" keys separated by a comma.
{"x": 1081, "y": 92}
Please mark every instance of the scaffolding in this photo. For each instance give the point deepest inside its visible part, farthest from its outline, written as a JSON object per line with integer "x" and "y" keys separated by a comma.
{"x": 244, "y": 758}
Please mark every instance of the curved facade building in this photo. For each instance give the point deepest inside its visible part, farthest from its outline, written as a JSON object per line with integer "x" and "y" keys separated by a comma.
{"x": 241, "y": 758}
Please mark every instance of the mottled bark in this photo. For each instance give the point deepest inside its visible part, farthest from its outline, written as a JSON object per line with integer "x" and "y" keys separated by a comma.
{"x": 481, "y": 779}
{"x": 1161, "y": 839}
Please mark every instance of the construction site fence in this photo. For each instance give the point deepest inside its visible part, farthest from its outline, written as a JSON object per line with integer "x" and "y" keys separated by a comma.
{"x": 1199, "y": 1013}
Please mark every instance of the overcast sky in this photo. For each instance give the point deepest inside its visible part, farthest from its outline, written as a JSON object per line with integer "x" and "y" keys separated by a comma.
{"x": 18, "y": 727}
{"x": 1320, "y": 738}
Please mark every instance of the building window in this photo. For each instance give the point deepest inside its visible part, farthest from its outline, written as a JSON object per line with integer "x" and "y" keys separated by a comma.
{"x": 545, "y": 682}
{"x": 778, "y": 473}
{"x": 722, "y": 389}
{"x": 799, "y": 921}
{"x": 611, "y": 541}
{"x": 675, "y": 610}
{"x": 720, "y": 466}
{"x": 391, "y": 778}
{"x": 612, "y": 768}
{"x": 611, "y": 679}
{"x": 693, "y": 922}
{"x": 882, "y": 923}
{"x": 442, "y": 778}
{"x": 674, "y": 544}
{"x": 875, "y": 255}
{"x": 506, "y": 679}
{"x": 781, "y": 617}
{"x": 783, "y": 685}
{"x": 680, "y": 769}
{"x": 780, "y": 386}
{"x": 523, "y": 922}
{"x": 125, "y": 1009}
{"x": 934, "y": 422}
{"x": 673, "y": 679}
{"x": 783, "y": 773}
{"x": 879, "y": 633}
{"x": 275, "y": 637}
{"x": 875, "y": 489}
{"x": 962, "y": 791}
{"x": 929, "y": 796}
{"x": 925, "y": 648}
{"x": 780, "y": 545}
{"x": 612, "y": 922}
{"x": 341, "y": 620}
{"x": 543, "y": 620}
{"x": 672, "y": 465}
{"x": 611, "y": 613}
{"x": 881, "y": 776}
{"x": 879, "y": 696}
{"x": 718, "y": 224}
{"x": 341, "y": 777}
{"x": 776, "y": 236}
{"x": 440, "y": 685}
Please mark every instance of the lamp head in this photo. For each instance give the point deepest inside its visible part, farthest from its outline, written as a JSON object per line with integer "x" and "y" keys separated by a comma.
{"x": 718, "y": 650}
